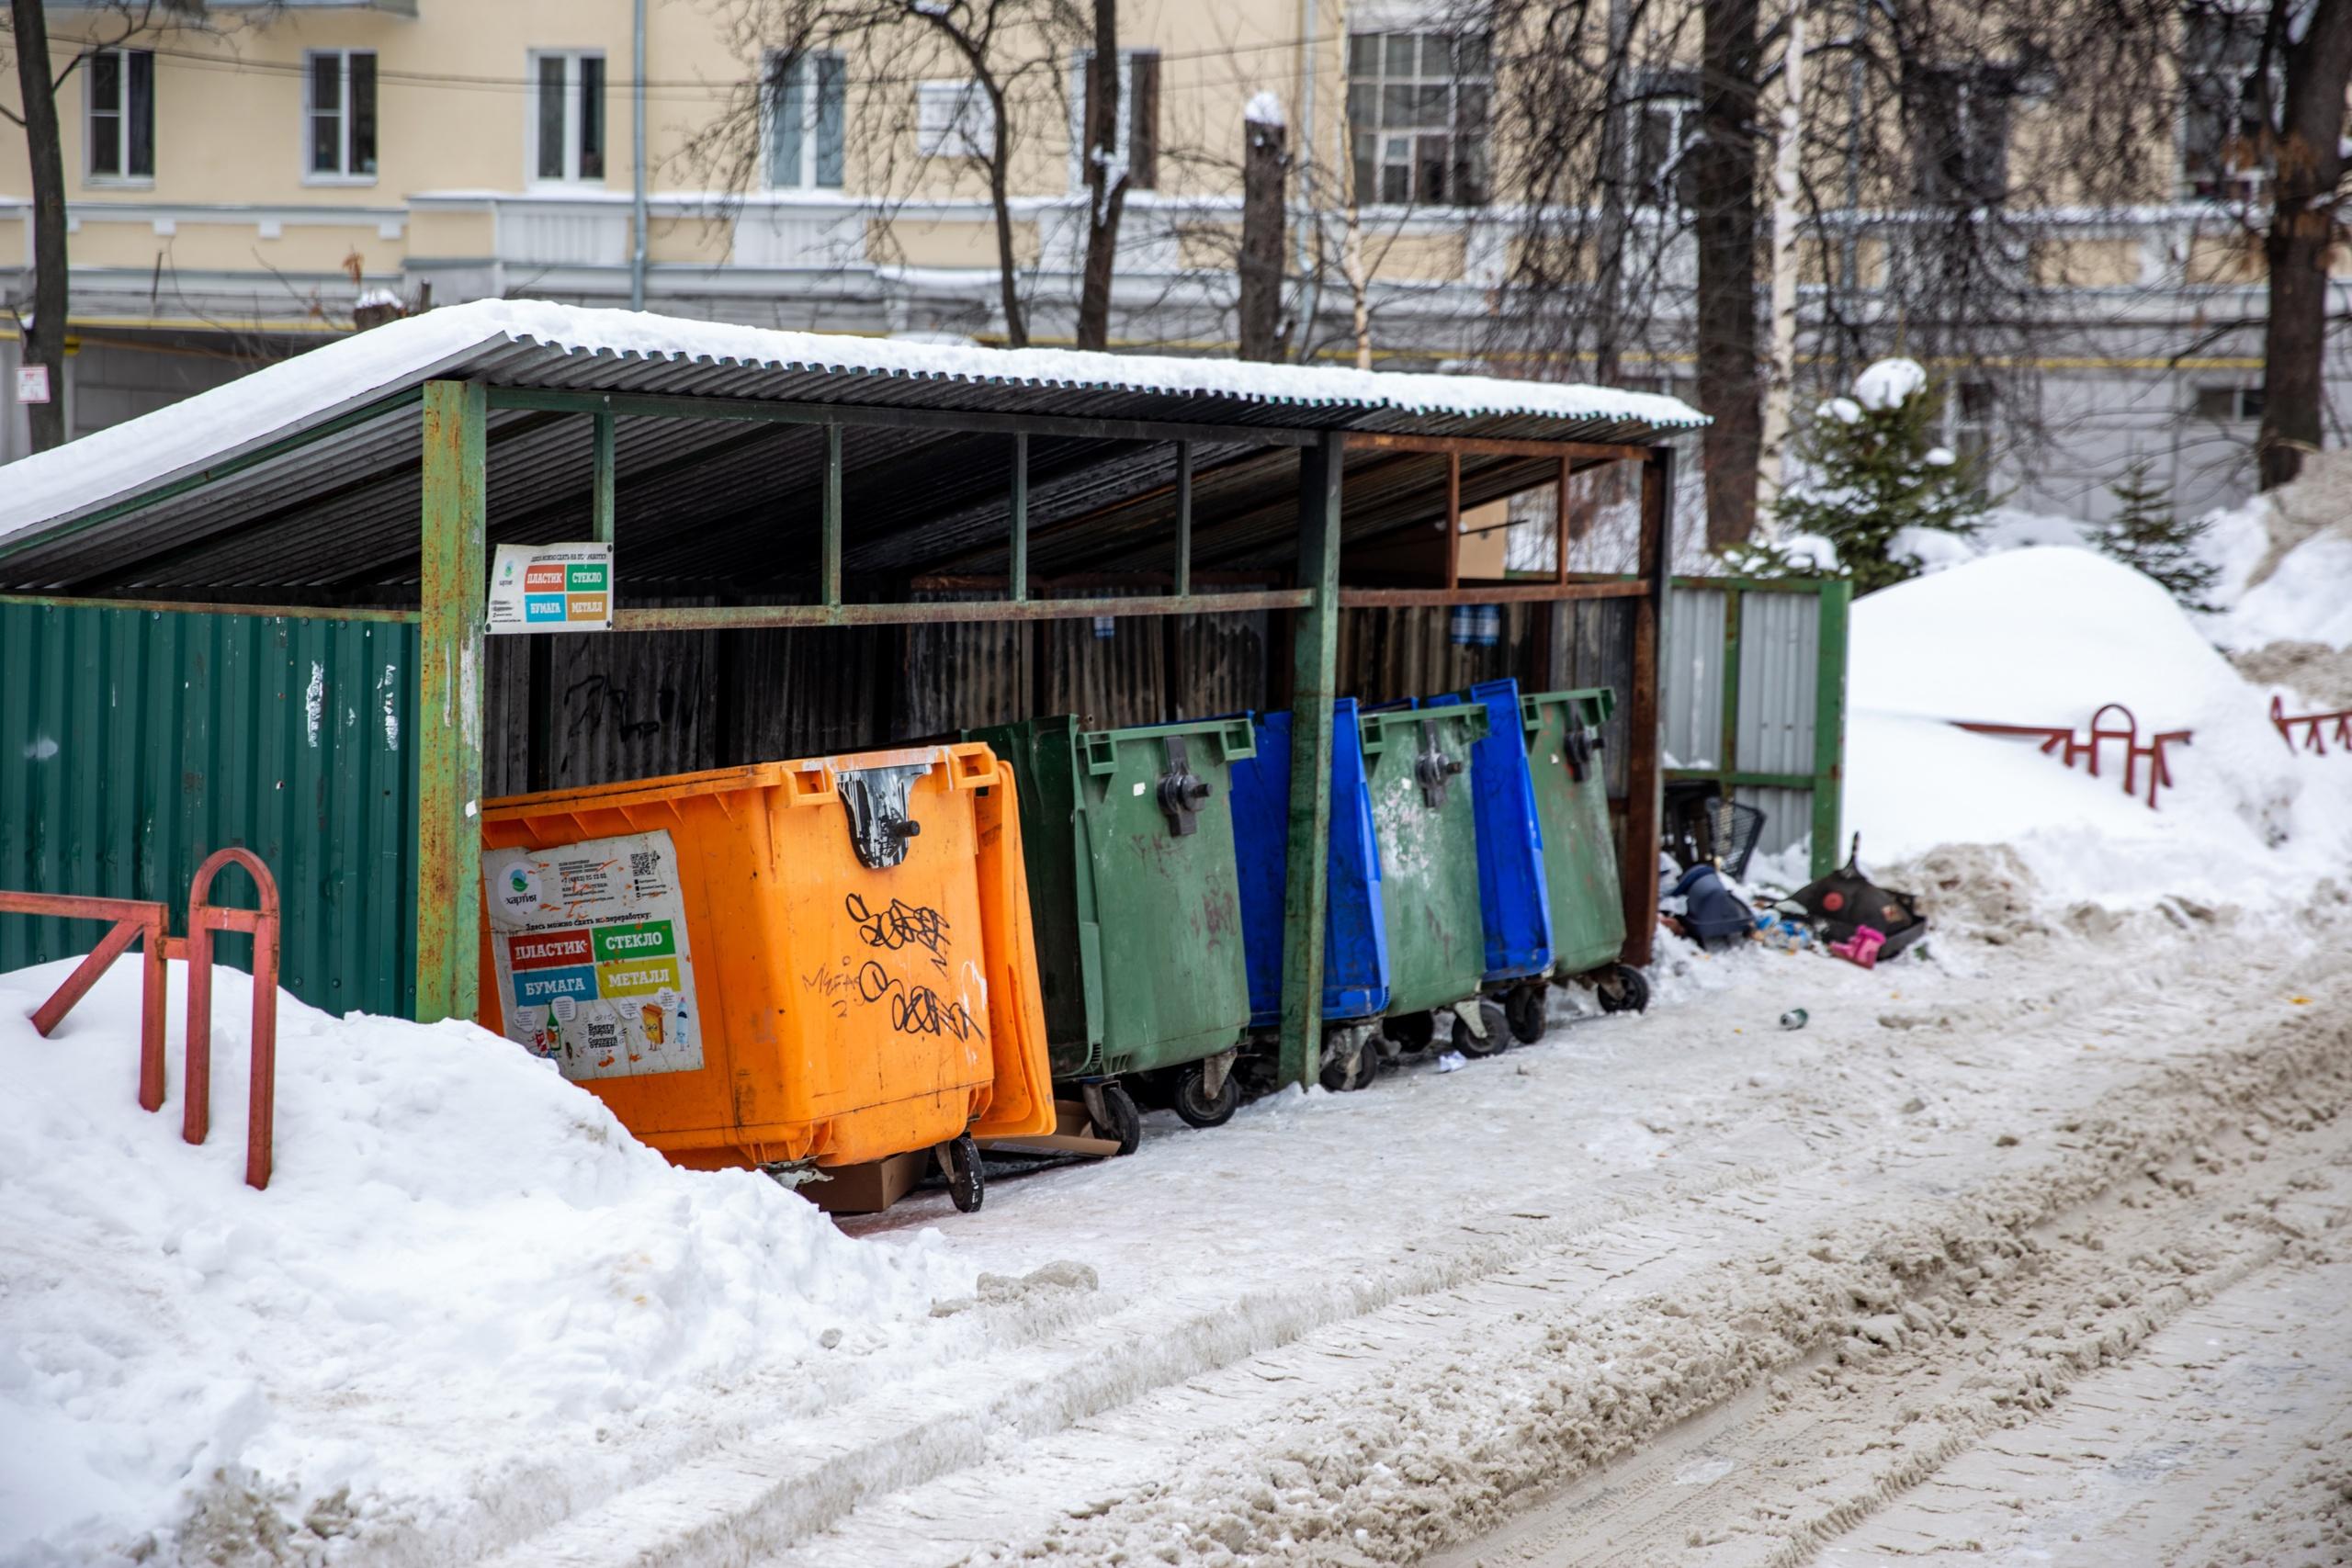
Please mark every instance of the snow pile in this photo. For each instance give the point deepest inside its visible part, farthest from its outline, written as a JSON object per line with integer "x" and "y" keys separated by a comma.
{"x": 463, "y": 1267}
{"x": 1264, "y": 108}
{"x": 2046, "y": 636}
{"x": 1889, "y": 384}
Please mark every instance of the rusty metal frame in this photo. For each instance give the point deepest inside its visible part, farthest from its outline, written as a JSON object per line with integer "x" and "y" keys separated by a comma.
{"x": 147, "y": 923}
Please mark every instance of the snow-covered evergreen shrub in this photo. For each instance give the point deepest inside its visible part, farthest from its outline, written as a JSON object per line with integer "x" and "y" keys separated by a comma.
{"x": 1876, "y": 469}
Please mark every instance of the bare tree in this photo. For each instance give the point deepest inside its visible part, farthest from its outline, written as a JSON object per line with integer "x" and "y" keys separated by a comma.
{"x": 1264, "y": 167}
{"x": 1011, "y": 54}
{"x": 1106, "y": 179}
{"x": 104, "y": 26}
{"x": 2306, "y": 205}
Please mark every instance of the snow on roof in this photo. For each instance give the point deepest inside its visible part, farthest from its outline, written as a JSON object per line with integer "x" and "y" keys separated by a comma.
{"x": 350, "y": 373}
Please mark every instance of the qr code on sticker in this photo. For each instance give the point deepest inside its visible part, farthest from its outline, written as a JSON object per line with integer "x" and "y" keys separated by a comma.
{"x": 644, "y": 864}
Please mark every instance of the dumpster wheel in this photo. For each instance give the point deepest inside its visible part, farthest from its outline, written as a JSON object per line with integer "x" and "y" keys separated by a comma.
{"x": 1491, "y": 1018}
{"x": 1413, "y": 1031}
{"x": 966, "y": 1180}
{"x": 1623, "y": 989}
{"x": 1198, "y": 1108}
{"x": 1524, "y": 1011}
{"x": 1114, "y": 1115}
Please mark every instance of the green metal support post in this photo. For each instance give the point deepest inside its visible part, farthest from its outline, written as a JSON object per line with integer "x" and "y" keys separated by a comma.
{"x": 1315, "y": 673}
{"x": 448, "y": 706}
{"x": 601, "y": 507}
{"x": 1829, "y": 729}
{"x": 829, "y": 551}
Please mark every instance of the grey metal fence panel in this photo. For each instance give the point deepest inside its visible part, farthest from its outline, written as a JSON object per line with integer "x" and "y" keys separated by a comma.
{"x": 1780, "y": 654}
{"x": 1788, "y": 816}
{"x": 1693, "y": 679}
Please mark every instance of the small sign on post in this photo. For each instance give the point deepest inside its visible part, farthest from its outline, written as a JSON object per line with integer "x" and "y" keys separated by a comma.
{"x": 32, "y": 383}
{"x": 551, "y": 588}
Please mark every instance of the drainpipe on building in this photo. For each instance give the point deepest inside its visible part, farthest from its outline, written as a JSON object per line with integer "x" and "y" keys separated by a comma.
{"x": 637, "y": 152}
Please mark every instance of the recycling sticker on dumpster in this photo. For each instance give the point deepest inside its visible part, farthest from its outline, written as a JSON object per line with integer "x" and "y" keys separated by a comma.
{"x": 589, "y": 945}
{"x": 551, "y": 588}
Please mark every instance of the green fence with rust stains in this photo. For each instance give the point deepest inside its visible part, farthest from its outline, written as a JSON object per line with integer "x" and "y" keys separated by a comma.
{"x": 134, "y": 743}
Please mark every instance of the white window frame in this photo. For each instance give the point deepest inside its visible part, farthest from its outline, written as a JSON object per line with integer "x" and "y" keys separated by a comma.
{"x": 1658, "y": 188}
{"x": 121, "y": 113}
{"x": 811, "y": 113}
{"x": 343, "y": 116}
{"x": 570, "y": 178}
{"x": 1398, "y": 146}
{"x": 953, "y": 119}
{"x": 1079, "y": 64}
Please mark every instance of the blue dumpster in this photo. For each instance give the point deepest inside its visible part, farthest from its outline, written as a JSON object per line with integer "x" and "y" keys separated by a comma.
{"x": 1514, "y": 901}
{"x": 1355, "y": 934}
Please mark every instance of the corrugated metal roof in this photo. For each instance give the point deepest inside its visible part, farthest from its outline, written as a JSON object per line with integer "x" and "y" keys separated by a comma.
{"x": 721, "y": 501}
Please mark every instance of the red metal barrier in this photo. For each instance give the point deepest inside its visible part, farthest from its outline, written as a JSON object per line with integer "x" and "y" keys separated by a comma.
{"x": 132, "y": 921}
{"x": 2062, "y": 744}
{"x": 2313, "y": 723}
{"x": 135, "y": 921}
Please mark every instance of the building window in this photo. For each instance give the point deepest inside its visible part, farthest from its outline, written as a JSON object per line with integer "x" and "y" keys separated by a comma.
{"x": 953, "y": 119}
{"x": 2230, "y": 405}
{"x": 342, "y": 113}
{"x": 1138, "y": 117}
{"x": 2225, "y": 95}
{"x": 1960, "y": 132}
{"x": 1665, "y": 126}
{"x": 122, "y": 86}
{"x": 1418, "y": 110}
{"x": 806, "y": 99}
{"x": 1968, "y": 422}
{"x": 568, "y": 116}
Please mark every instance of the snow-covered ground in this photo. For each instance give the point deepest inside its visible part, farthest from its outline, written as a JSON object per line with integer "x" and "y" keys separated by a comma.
{"x": 1934, "y": 1272}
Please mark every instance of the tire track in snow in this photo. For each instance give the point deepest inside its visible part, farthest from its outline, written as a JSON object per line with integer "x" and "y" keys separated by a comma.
{"x": 1179, "y": 1471}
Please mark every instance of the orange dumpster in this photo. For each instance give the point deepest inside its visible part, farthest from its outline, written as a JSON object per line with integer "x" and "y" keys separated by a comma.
{"x": 826, "y": 961}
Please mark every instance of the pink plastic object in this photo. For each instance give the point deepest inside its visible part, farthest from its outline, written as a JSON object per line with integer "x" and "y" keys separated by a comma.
{"x": 1862, "y": 949}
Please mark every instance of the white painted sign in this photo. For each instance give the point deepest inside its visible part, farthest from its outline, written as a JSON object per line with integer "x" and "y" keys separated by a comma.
{"x": 551, "y": 588}
{"x": 32, "y": 383}
{"x": 589, "y": 945}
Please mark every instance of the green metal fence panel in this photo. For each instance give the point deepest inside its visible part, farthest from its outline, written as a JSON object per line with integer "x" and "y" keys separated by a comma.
{"x": 134, "y": 743}
{"x": 1756, "y": 701}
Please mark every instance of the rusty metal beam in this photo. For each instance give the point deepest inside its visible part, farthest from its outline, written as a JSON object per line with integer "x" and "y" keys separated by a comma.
{"x": 1491, "y": 446}
{"x": 1492, "y": 593}
{"x": 204, "y": 607}
{"x": 736, "y": 617}
{"x": 1644, "y": 802}
{"x": 650, "y": 405}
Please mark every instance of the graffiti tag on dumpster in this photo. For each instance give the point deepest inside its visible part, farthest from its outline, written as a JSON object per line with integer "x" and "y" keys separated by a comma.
{"x": 589, "y": 942}
{"x": 900, "y": 925}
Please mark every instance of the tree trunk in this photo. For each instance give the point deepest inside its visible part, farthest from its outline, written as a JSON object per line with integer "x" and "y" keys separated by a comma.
{"x": 1723, "y": 176}
{"x": 1261, "y": 269}
{"x": 2303, "y": 222}
{"x": 45, "y": 343}
{"x": 1008, "y": 267}
{"x": 1106, "y": 179}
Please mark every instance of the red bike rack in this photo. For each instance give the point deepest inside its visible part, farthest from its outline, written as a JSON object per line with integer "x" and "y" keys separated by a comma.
{"x": 145, "y": 923}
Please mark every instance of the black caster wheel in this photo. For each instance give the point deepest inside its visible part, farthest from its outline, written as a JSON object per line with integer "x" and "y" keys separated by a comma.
{"x": 1490, "y": 1017}
{"x": 1524, "y": 1010}
{"x": 1626, "y": 989}
{"x": 1342, "y": 1074}
{"x": 1411, "y": 1030}
{"x": 1122, "y": 1123}
{"x": 967, "y": 1184}
{"x": 1197, "y": 1107}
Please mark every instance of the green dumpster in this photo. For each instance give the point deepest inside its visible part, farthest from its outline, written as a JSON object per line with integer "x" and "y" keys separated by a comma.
{"x": 1417, "y": 769}
{"x": 1580, "y": 847}
{"x": 1135, "y": 898}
